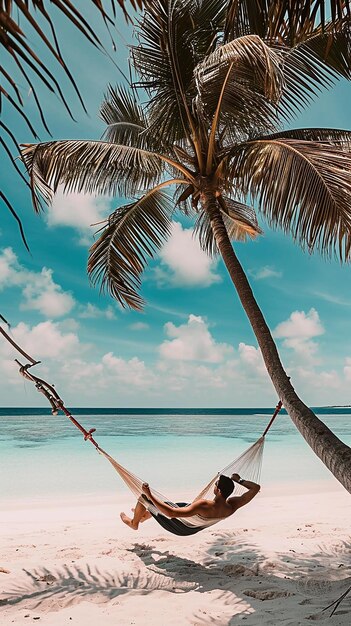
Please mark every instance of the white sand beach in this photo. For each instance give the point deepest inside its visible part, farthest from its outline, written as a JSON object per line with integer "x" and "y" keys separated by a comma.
{"x": 280, "y": 560}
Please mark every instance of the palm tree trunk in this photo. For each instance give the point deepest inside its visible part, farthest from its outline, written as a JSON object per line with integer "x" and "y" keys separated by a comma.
{"x": 335, "y": 454}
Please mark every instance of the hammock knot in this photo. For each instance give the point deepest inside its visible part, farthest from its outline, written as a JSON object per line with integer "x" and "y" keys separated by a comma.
{"x": 88, "y": 436}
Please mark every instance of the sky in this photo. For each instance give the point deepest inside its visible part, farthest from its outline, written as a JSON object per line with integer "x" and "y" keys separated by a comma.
{"x": 192, "y": 346}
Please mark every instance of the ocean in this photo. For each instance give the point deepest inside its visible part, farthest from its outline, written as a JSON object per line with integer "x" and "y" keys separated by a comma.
{"x": 176, "y": 450}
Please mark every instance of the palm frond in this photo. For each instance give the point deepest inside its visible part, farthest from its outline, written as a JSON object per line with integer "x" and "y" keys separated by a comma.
{"x": 305, "y": 76}
{"x": 164, "y": 61}
{"x": 123, "y": 115}
{"x": 332, "y": 46}
{"x": 246, "y": 75}
{"x": 182, "y": 199}
{"x": 174, "y": 37}
{"x": 135, "y": 232}
{"x": 203, "y": 231}
{"x": 315, "y": 65}
{"x": 127, "y": 122}
{"x": 254, "y": 64}
{"x": 16, "y": 217}
{"x": 245, "y": 17}
{"x": 240, "y": 219}
{"x": 208, "y": 23}
{"x": 303, "y": 187}
{"x": 94, "y": 167}
{"x": 334, "y": 136}
{"x": 316, "y": 50}
{"x": 281, "y": 21}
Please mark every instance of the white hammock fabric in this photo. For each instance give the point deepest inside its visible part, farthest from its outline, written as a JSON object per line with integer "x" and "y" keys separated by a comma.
{"x": 248, "y": 464}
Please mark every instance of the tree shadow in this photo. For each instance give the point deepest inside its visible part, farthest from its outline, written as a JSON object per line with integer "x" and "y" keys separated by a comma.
{"x": 158, "y": 570}
{"x": 72, "y": 584}
{"x": 225, "y": 558}
{"x": 233, "y": 573}
{"x": 231, "y": 561}
{"x": 336, "y": 557}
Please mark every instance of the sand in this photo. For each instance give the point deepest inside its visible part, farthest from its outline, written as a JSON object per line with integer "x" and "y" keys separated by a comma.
{"x": 280, "y": 560}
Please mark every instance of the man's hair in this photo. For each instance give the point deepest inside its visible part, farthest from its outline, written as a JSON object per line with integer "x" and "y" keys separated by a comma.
{"x": 225, "y": 486}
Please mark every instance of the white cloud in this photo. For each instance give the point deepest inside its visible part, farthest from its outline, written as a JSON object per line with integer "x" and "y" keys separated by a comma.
{"x": 298, "y": 331}
{"x": 83, "y": 375}
{"x": 42, "y": 294}
{"x": 300, "y": 325}
{"x": 329, "y": 380}
{"x": 45, "y": 341}
{"x": 303, "y": 348}
{"x": 39, "y": 291}
{"x": 167, "y": 311}
{"x": 139, "y": 326}
{"x": 193, "y": 342}
{"x": 339, "y": 300}
{"x": 63, "y": 363}
{"x": 198, "y": 371}
{"x": 111, "y": 373}
{"x": 132, "y": 372}
{"x": 90, "y": 311}
{"x": 347, "y": 368}
{"x": 187, "y": 376}
{"x": 265, "y": 272}
{"x": 79, "y": 211}
{"x": 321, "y": 380}
{"x": 69, "y": 324}
{"x": 9, "y": 269}
{"x": 252, "y": 357}
{"x": 183, "y": 263}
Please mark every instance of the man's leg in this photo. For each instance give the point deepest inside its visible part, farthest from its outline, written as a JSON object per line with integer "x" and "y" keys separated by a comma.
{"x": 140, "y": 515}
{"x": 145, "y": 517}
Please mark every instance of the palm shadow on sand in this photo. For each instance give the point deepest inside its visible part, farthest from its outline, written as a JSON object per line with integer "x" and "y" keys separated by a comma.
{"x": 229, "y": 561}
{"x": 157, "y": 570}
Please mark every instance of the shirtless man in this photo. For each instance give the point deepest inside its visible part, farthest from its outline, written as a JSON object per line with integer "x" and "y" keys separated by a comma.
{"x": 220, "y": 507}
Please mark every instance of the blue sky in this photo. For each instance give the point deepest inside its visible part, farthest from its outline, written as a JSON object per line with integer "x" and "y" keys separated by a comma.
{"x": 192, "y": 346}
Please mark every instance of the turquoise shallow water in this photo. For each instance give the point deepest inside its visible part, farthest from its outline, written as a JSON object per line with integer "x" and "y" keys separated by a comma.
{"x": 42, "y": 455}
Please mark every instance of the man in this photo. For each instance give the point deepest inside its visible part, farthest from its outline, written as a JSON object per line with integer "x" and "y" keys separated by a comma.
{"x": 220, "y": 507}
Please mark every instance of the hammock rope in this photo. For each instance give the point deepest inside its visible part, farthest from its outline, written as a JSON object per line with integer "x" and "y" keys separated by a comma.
{"x": 249, "y": 463}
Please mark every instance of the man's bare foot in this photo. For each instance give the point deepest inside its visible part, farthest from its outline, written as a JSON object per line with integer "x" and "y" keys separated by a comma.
{"x": 127, "y": 521}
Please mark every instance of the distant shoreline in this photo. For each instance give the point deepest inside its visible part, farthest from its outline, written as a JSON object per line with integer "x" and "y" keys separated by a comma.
{"x": 45, "y": 410}
{"x": 336, "y": 406}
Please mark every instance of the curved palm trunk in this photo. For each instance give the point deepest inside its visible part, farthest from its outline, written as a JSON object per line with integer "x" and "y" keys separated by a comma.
{"x": 335, "y": 454}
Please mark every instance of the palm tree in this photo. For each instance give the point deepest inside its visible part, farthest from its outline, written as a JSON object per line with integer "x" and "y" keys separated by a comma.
{"x": 211, "y": 132}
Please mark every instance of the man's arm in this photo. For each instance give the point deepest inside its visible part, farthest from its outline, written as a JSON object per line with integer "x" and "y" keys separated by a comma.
{"x": 252, "y": 491}
{"x": 170, "y": 511}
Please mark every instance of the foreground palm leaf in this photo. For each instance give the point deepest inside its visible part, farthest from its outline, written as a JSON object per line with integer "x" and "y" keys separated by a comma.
{"x": 18, "y": 16}
{"x": 221, "y": 78}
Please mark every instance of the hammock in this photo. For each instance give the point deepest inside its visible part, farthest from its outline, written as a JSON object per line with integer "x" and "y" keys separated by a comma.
{"x": 248, "y": 463}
